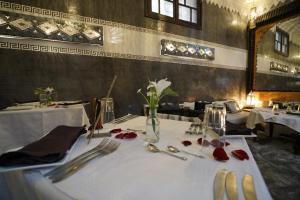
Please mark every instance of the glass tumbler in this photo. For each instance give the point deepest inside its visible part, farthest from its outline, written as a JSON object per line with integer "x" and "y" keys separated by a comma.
{"x": 43, "y": 98}
{"x": 219, "y": 122}
{"x": 107, "y": 112}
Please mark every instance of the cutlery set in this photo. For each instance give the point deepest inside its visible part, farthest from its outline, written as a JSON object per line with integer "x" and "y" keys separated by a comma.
{"x": 152, "y": 148}
{"x": 227, "y": 180}
{"x": 116, "y": 121}
{"x": 105, "y": 147}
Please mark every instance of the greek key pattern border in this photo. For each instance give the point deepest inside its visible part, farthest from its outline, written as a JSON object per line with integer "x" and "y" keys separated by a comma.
{"x": 90, "y": 52}
{"x": 49, "y": 49}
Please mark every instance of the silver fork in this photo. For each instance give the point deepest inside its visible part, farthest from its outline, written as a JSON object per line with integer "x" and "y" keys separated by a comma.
{"x": 76, "y": 159}
{"x": 109, "y": 148}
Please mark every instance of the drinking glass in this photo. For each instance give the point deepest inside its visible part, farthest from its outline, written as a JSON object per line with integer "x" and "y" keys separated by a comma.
{"x": 43, "y": 98}
{"x": 107, "y": 112}
{"x": 219, "y": 122}
{"x": 207, "y": 123}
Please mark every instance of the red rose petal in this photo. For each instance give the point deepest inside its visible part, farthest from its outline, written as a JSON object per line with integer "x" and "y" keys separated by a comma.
{"x": 217, "y": 143}
{"x": 116, "y": 130}
{"x": 186, "y": 143}
{"x": 240, "y": 154}
{"x": 220, "y": 154}
{"x": 130, "y": 135}
{"x": 199, "y": 141}
{"x": 120, "y": 136}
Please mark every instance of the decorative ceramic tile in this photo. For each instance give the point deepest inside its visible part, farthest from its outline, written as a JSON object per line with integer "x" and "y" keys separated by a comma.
{"x": 48, "y": 28}
{"x": 57, "y": 30}
{"x": 21, "y": 24}
{"x": 170, "y": 47}
{"x": 2, "y": 21}
{"x": 192, "y": 50}
{"x": 201, "y": 52}
{"x": 91, "y": 34}
{"x": 69, "y": 30}
{"x": 182, "y": 48}
{"x": 277, "y": 67}
{"x": 186, "y": 50}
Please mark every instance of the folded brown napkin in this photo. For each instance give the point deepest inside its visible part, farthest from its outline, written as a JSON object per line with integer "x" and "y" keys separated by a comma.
{"x": 49, "y": 149}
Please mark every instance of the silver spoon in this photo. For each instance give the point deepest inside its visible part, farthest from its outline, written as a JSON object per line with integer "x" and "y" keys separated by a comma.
{"x": 175, "y": 150}
{"x": 155, "y": 149}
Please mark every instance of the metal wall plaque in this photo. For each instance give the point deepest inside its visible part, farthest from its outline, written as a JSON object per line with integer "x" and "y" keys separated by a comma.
{"x": 175, "y": 48}
{"x": 68, "y": 30}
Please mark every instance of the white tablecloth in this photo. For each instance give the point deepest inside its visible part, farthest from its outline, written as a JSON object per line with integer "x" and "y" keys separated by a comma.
{"x": 262, "y": 115}
{"x": 19, "y": 128}
{"x": 132, "y": 173}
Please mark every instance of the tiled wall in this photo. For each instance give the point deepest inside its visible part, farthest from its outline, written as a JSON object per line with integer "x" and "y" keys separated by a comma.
{"x": 131, "y": 51}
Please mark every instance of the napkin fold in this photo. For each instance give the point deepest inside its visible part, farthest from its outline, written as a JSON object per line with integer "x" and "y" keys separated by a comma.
{"x": 50, "y": 148}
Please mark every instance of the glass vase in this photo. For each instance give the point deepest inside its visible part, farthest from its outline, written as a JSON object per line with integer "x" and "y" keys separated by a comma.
{"x": 152, "y": 126}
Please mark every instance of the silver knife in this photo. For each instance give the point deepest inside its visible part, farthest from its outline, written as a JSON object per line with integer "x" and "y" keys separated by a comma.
{"x": 231, "y": 186}
{"x": 219, "y": 184}
{"x": 248, "y": 187}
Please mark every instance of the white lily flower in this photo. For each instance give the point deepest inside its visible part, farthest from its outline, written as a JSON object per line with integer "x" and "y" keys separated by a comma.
{"x": 139, "y": 90}
{"x": 162, "y": 85}
{"x": 150, "y": 94}
{"x": 49, "y": 89}
{"x": 151, "y": 85}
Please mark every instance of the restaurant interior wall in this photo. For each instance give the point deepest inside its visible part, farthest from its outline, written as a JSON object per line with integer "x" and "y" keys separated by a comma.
{"x": 84, "y": 76}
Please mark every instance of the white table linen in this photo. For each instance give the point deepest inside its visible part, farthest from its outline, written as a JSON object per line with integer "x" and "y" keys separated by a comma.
{"x": 132, "y": 173}
{"x": 262, "y": 115}
{"x": 19, "y": 128}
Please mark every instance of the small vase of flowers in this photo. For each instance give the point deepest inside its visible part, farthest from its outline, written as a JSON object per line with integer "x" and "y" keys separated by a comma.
{"x": 155, "y": 92}
{"x": 46, "y": 95}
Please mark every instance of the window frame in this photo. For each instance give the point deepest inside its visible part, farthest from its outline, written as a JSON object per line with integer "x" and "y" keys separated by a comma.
{"x": 175, "y": 19}
{"x": 282, "y": 35}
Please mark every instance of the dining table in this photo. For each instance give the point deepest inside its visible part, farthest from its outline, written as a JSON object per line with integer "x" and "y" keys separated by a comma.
{"x": 25, "y": 123}
{"x": 134, "y": 173}
{"x": 267, "y": 115}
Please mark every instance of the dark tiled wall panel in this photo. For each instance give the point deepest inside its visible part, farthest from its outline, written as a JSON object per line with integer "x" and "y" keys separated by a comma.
{"x": 83, "y": 77}
{"x": 276, "y": 83}
{"x": 216, "y": 23}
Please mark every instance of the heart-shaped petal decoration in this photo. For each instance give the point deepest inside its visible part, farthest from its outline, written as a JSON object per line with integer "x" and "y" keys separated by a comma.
{"x": 220, "y": 154}
{"x": 240, "y": 154}
{"x": 186, "y": 143}
{"x": 116, "y": 130}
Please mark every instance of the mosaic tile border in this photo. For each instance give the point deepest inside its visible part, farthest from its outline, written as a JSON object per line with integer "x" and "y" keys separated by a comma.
{"x": 174, "y": 48}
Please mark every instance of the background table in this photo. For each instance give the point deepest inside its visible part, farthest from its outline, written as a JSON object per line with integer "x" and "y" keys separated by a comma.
{"x": 132, "y": 173}
{"x": 18, "y": 128}
{"x": 263, "y": 115}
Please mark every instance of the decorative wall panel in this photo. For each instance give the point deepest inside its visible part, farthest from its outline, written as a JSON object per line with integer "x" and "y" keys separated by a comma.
{"x": 68, "y": 30}
{"x": 174, "y": 48}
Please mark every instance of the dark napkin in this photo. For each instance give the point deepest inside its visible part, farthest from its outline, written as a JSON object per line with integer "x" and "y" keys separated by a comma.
{"x": 293, "y": 113}
{"x": 233, "y": 129}
{"x": 48, "y": 149}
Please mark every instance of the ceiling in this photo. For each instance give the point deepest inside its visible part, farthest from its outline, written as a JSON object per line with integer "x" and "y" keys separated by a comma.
{"x": 243, "y": 6}
{"x": 292, "y": 26}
